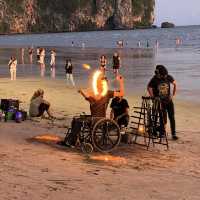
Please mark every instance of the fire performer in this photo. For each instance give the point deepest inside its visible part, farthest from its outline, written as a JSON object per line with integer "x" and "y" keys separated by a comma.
{"x": 159, "y": 86}
{"x": 100, "y": 96}
{"x": 98, "y": 99}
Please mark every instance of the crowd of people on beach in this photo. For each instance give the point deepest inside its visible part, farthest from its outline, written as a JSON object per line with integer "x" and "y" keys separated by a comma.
{"x": 68, "y": 66}
{"x": 158, "y": 87}
{"x": 40, "y": 60}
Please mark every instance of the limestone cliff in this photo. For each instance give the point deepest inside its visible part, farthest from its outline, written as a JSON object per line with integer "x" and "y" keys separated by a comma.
{"x": 24, "y": 16}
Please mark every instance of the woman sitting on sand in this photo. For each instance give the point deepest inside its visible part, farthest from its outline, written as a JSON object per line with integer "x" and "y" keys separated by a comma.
{"x": 38, "y": 105}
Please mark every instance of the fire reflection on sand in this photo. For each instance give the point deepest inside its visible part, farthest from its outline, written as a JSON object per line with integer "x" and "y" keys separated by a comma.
{"x": 109, "y": 158}
{"x": 47, "y": 138}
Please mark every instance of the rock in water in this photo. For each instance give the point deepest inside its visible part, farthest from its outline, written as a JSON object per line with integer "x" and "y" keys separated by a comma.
{"x": 167, "y": 25}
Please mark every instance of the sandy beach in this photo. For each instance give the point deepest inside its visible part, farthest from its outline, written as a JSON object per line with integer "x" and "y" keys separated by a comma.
{"x": 31, "y": 169}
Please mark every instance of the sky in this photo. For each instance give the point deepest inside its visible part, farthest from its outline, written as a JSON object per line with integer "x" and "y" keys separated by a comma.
{"x": 180, "y": 12}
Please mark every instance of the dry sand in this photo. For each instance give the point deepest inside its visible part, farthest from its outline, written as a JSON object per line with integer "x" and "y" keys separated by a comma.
{"x": 43, "y": 170}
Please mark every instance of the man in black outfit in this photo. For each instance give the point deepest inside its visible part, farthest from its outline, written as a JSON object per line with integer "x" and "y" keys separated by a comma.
{"x": 160, "y": 86}
{"x": 120, "y": 111}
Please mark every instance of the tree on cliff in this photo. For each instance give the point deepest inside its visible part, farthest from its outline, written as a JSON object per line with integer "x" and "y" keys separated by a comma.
{"x": 19, "y": 16}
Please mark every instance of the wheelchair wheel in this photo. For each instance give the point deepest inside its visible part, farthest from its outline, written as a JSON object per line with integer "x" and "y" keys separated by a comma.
{"x": 87, "y": 148}
{"x": 105, "y": 135}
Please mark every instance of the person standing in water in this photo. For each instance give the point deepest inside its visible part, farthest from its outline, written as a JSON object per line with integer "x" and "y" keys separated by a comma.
{"x": 83, "y": 45}
{"x": 38, "y": 54}
{"x": 42, "y": 63}
{"x": 120, "y": 43}
{"x": 69, "y": 72}
{"x": 148, "y": 45}
{"x": 13, "y": 68}
{"x": 53, "y": 63}
{"x": 116, "y": 63}
{"x": 103, "y": 63}
{"x": 22, "y": 55}
{"x": 139, "y": 44}
{"x": 157, "y": 44}
{"x": 30, "y": 52}
{"x": 178, "y": 42}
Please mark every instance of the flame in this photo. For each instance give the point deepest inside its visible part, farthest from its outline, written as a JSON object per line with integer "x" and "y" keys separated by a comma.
{"x": 86, "y": 66}
{"x": 96, "y": 77}
{"x": 105, "y": 88}
{"x": 47, "y": 138}
{"x": 141, "y": 129}
{"x": 109, "y": 158}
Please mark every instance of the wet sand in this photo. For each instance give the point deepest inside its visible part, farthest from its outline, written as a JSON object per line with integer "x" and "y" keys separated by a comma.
{"x": 31, "y": 169}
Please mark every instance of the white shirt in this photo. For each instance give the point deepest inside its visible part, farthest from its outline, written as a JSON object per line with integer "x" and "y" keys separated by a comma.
{"x": 42, "y": 55}
{"x": 53, "y": 58}
{"x": 12, "y": 64}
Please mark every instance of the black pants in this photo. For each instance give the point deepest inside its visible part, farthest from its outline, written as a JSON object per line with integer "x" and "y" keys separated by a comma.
{"x": 76, "y": 129}
{"x": 42, "y": 108}
{"x": 76, "y": 126}
{"x": 123, "y": 121}
{"x": 168, "y": 108}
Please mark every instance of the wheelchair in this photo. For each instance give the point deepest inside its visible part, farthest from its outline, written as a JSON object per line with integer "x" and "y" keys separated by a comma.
{"x": 101, "y": 134}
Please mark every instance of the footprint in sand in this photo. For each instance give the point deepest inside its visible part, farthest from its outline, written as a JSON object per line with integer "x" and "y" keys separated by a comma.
{"x": 94, "y": 172}
{"x": 51, "y": 188}
{"x": 45, "y": 170}
{"x": 3, "y": 155}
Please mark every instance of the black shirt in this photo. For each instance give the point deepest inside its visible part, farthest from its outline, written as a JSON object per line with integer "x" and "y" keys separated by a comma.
{"x": 119, "y": 107}
{"x": 161, "y": 87}
{"x": 116, "y": 62}
{"x": 68, "y": 68}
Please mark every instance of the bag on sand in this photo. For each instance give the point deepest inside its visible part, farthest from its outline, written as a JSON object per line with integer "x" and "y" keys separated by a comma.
{"x": 6, "y": 104}
{"x": 20, "y": 115}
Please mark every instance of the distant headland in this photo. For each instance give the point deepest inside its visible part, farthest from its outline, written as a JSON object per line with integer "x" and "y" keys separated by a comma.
{"x": 36, "y": 16}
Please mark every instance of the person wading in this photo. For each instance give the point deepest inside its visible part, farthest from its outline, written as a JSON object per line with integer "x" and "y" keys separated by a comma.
{"x": 116, "y": 63}
{"x": 69, "y": 72}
